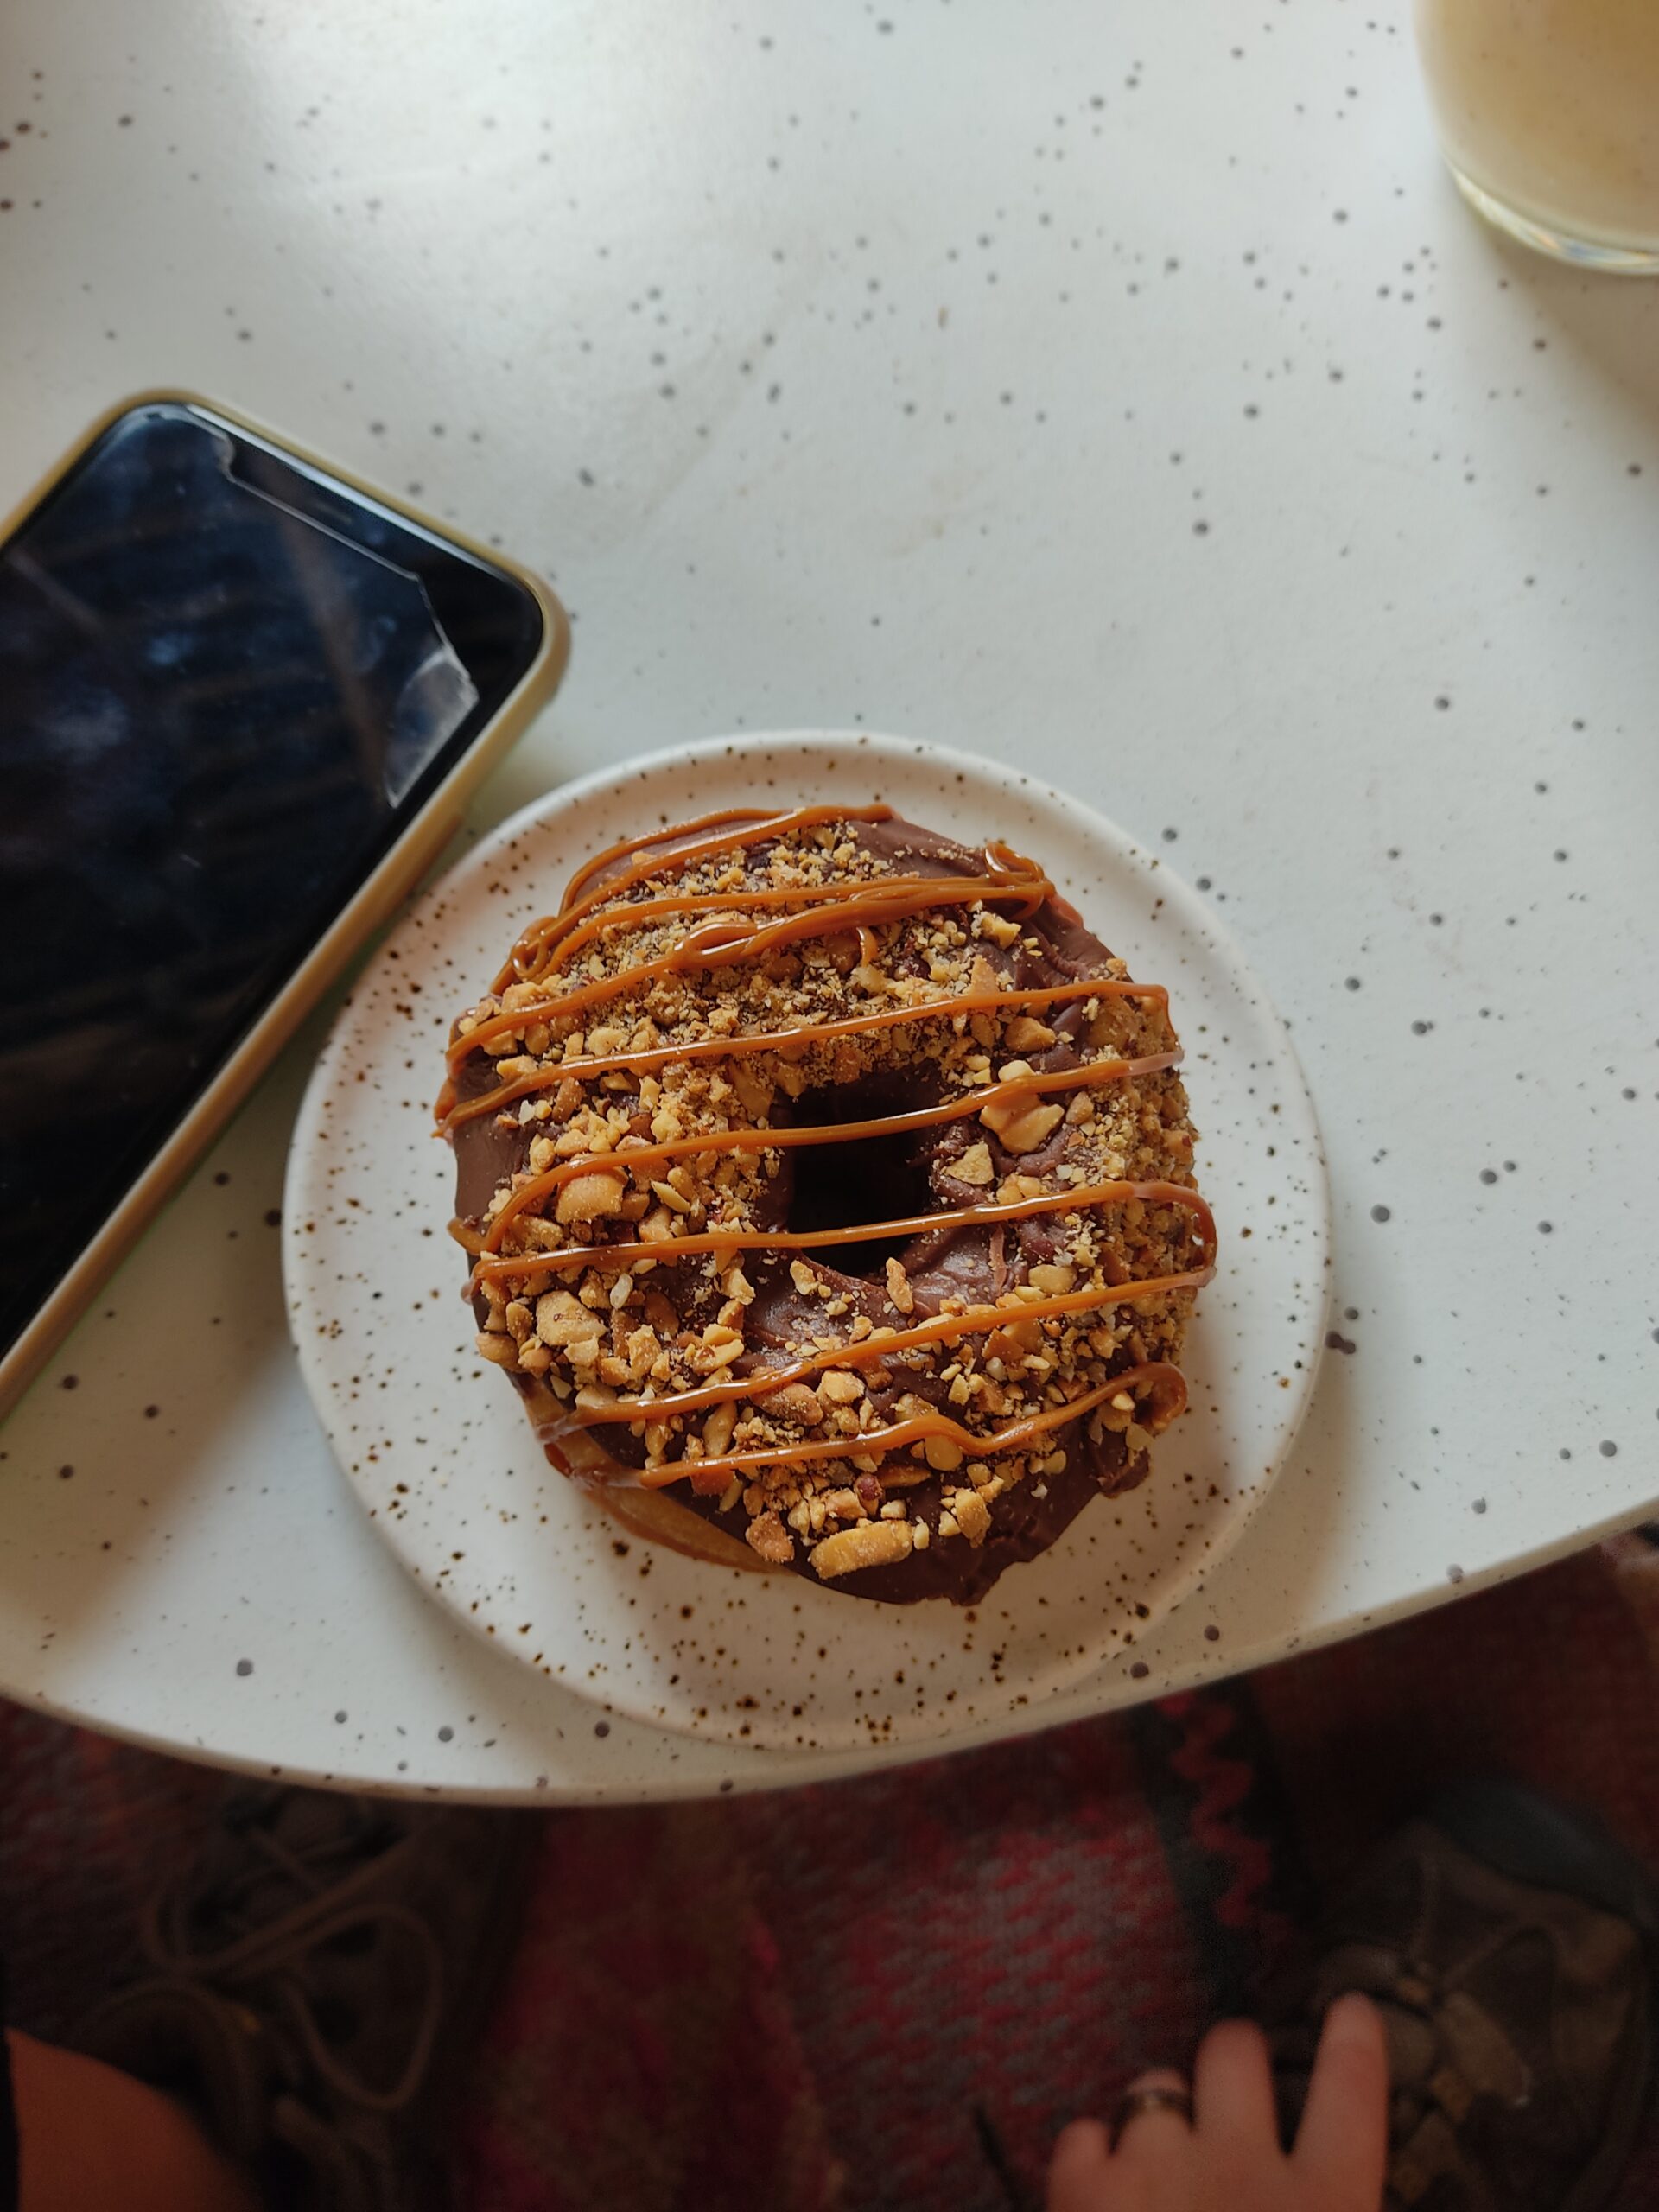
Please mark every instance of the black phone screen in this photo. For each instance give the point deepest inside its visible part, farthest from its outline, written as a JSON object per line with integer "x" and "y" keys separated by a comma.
{"x": 226, "y": 682}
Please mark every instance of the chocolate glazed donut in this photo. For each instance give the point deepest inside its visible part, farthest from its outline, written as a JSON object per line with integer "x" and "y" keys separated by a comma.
{"x": 830, "y": 1182}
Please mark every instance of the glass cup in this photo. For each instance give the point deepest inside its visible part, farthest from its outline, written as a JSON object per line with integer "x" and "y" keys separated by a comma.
{"x": 1548, "y": 111}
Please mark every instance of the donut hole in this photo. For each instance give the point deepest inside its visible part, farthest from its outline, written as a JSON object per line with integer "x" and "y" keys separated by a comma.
{"x": 852, "y": 1180}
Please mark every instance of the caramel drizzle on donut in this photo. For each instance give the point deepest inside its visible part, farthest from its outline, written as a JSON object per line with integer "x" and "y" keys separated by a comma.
{"x": 875, "y": 1349}
{"x": 833, "y": 910}
{"x": 1008, "y": 873}
{"x": 788, "y": 1041}
{"x": 770, "y": 1140}
{"x": 539, "y": 939}
{"x": 713, "y": 1474}
{"x": 731, "y": 1242}
{"x": 859, "y": 907}
{"x": 727, "y": 944}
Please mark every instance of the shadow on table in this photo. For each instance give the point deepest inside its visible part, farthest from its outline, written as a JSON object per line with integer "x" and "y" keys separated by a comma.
{"x": 1612, "y": 323}
{"x": 1278, "y": 1579}
{"x": 117, "y": 1456}
{"x": 97, "y": 1493}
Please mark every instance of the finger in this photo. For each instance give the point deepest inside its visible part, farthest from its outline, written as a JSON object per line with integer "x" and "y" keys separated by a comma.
{"x": 1232, "y": 2085}
{"x": 1077, "y": 2172}
{"x": 1150, "y": 2136}
{"x": 1341, "y": 2144}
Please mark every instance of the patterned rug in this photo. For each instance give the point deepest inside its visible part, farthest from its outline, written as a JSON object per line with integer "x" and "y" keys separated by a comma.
{"x": 828, "y": 1997}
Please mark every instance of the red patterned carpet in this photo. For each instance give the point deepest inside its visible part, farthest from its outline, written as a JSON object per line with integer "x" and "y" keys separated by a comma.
{"x": 800, "y": 2000}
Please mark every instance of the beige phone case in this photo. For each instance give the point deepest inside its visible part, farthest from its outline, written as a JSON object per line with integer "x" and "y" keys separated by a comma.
{"x": 372, "y": 905}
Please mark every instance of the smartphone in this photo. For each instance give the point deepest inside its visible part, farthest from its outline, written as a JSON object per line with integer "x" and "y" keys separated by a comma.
{"x": 243, "y": 699}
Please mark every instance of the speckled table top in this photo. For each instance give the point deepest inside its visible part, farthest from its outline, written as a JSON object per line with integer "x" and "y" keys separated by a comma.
{"x": 1125, "y": 389}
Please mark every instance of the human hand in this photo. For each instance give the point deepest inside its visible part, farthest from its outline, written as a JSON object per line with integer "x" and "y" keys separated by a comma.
{"x": 1227, "y": 2158}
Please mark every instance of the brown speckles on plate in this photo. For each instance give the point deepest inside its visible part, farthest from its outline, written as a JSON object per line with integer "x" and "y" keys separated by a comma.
{"x": 663, "y": 1639}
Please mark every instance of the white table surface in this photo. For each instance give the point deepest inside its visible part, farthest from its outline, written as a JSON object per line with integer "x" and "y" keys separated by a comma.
{"x": 1119, "y": 386}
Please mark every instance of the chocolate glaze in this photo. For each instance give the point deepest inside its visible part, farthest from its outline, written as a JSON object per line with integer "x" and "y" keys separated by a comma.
{"x": 954, "y": 1261}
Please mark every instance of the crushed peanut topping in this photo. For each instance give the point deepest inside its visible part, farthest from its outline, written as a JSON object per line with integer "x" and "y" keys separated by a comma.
{"x": 642, "y": 1072}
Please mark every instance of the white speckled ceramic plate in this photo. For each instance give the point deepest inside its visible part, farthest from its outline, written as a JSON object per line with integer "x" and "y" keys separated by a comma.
{"x": 435, "y": 1443}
